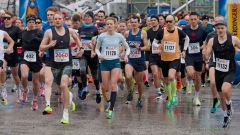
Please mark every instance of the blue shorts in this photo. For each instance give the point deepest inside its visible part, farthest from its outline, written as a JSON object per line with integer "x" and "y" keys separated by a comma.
{"x": 109, "y": 65}
{"x": 138, "y": 65}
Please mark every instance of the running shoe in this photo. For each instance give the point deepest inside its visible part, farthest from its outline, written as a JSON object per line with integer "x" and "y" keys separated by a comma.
{"x": 47, "y": 110}
{"x": 214, "y": 108}
{"x": 90, "y": 79}
{"x": 109, "y": 114}
{"x": 73, "y": 106}
{"x": 98, "y": 98}
{"x": 4, "y": 102}
{"x": 122, "y": 85}
{"x": 84, "y": 93}
{"x": 203, "y": 85}
{"x": 139, "y": 103}
{"x": 129, "y": 97}
{"x": 64, "y": 121}
{"x": 146, "y": 84}
{"x": 196, "y": 101}
{"x": 24, "y": 96}
{"x": 226, "y": 121}
{"x": 169, "y": 105}
{"x": 174, "y": 100}
{"x": 34, "y": 105}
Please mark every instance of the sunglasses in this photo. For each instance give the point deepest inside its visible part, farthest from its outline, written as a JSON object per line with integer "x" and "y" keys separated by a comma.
{"x": 38, "y": 22}
{"x": 6, "y": 18}
{"x": 169, "y": 21}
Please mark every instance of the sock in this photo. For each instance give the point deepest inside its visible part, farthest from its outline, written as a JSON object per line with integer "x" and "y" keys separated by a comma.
{"x": 65, "y": 114}
{"x": 228, "y": 102}
{"x": 158, "y": 90}
{"x": 113, "y": 100}
{"x": 168, "y": 90}
{"x": 215, "y": 100}
{"x": 225, "y": 113}
{"x": 197, "y": 93}
{"x": 47, "y": 103}
{"x": 173, "y": 88}
{"x": 70, "y": 98}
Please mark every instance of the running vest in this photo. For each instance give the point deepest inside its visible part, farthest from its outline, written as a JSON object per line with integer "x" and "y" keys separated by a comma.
{"x": 1, "y": 45}
{"x": 86, "y": 34}
{"x": 224, "y": 54}
{"x": 196, "y": 41}
{"x": 133, "y": 41}
{"x": 31, "y": 41}
{"x": 60, "y": 54}
{"x": 170, "y": 50}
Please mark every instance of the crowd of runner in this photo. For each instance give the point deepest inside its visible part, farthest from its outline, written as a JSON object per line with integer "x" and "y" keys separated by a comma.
{"x": 181, "y": 52}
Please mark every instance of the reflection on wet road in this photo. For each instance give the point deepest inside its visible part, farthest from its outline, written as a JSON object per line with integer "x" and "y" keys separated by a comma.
{"x": 89, "y": 118}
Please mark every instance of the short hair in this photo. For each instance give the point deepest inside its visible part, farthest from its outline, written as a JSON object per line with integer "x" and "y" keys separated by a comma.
{"x": 76, "y": 18}
{"x": 59, "y": 13}
{"x": 154, "y": 16}
{"x": 136, "y": 17}
{"x": 123, "y": 21}
{"x": 194, "y": 13}
{"x": 101, "y": 11}
{"x": 20, "y": 20}
{"x": 38, "y": 18}
{"x": 113, "y": 19}
{"x": 161, "y": 15}
{"x": 52, "y": 8}
{"x": 9, "y": 13}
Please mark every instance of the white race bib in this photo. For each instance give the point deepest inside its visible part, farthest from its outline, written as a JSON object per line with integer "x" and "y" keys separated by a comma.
{"x": 86, "y": 44}
{"x": 135, "y": 53}
{"x": 194, "y": 48}
{"x": 169, "y": 47}
{"x": 222, "y": 65}
{"x": 30, "y": 56}
{"x": 61, "y": 55}
{"x": 111, "y": 52}
{"x": 75, "y": 64}
{"x": 155, "y": 49}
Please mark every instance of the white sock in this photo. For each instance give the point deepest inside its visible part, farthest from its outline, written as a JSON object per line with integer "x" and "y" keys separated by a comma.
{"x": 158, "y": 89}
{"x": 47, "y": 103}
{"x": 225, "y": 113}
{"x": 65, "y": 114}
{"x": 228, "y": 102}
{"x": 70, "y": 97}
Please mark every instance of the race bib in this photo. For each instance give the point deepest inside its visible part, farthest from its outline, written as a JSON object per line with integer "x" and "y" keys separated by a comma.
{"x": 155, "y": 49}
{"x": 61, "y": 55}
{"x": 86, "y": 44}
{"x": 30, "y": 56}
{"x": 169, "y": 47}
{"x": 222, "y": 65}
{"x": 194, "y": 48}
{"x": 135, "y": 53}
{"x": 111, "y": 52}
{"x": 75, "y": 64}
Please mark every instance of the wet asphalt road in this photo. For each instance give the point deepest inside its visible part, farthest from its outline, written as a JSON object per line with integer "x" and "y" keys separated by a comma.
{"x": 89, "y": 118}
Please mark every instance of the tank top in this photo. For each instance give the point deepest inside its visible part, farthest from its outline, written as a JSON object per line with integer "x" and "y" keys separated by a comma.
{"x": 60, "y": 54}
{"x": 170, "y": 50}
{"x": 133, "y": 41}
{"x": 224, "y": 54}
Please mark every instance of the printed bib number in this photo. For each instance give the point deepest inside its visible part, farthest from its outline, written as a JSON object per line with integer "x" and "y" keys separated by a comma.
{"x": 135, "y": 53}
{"x": 193, "y": 48}
{"x": 169, "y": 47}
{"x": 30, "y": 56}
{"x": 155, "y": 49}
{"x": 86, "y": 44}
{"x": 61, "y": 55}
{"x": 222, "y": 65}
{"x": 75, "y": 64}
{"x": 111, "y": 52}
